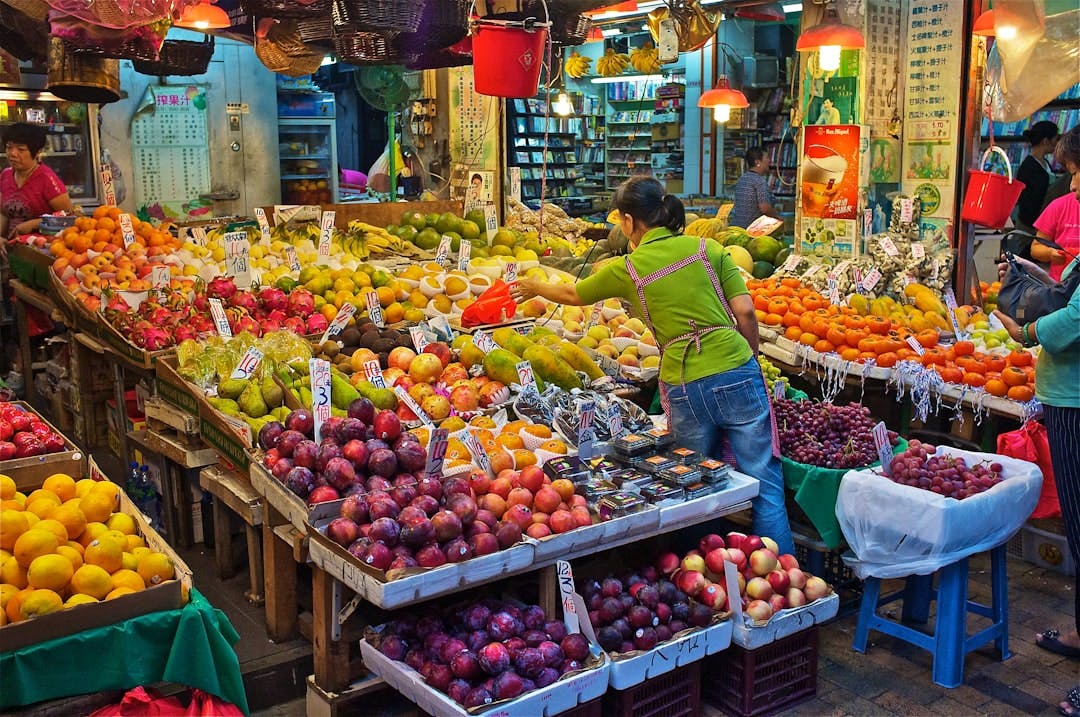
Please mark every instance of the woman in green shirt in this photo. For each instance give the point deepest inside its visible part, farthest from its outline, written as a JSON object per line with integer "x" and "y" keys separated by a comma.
{"x": 691, "y": 295}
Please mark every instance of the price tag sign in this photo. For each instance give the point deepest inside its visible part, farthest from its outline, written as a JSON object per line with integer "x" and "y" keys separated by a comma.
{"x": 294, "y": 261}
{"x": 248, "y": 363}
{"x": 834, "y": 292}
{"x": 198, "y": 235}
{"x": 159, "y": 276}
{"x": 326, "y": 233}
{"x": 814, "y": 269}
{"x": 221, "y": 322}
{"x": 436, "y": 451}
{"x": 483, "y": 341}
{"x": 107, "y": 186}
{"x": 264, "y": 226}
{"x": 594, "y": 316}
{"x": 918, "y": 251}
{"x": 950, "y": 303}
{"x": 566, "y": 594}
{"x": 515, "y": 183}
{"x": 419, "y": 338}
{"x": 839, "y": 269}
{"x": 373, "y": 374}
{"x": 463, "y": 256}
{"x": 915, "y": 345}
{"x": 340, "y": 320}
{"x": 881, "y": 443}
{"x": 779, "y": 389}
{"x": 586, "y": 434}
{"x": 867, "y": 222}
{"x": 491, "y": 222}
{"x": 526, "y": 377}
{"x": 320, "y": 393}
{"x": 871, "y": 280}
{"x": 480, "y": 456}
{"x": 405, "y": 398}
{"x": 126, "y": 230}
{"x": 615, "y": 422}
{"x": 374, "y": 308}
{"x": 856, "y": 274}
{"x": 510, "y": 272}
{"x": 791, "y": 262}
{"x": 889, "y": 247}
{"x": 442, "y": 254}
{"x": 907, "y": 210}
{"x": 441, "y": 326}
{"x": 239, "y": 269}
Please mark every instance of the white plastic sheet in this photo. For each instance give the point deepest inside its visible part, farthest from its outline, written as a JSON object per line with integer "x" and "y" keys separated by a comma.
{"x": 896, "y": 530}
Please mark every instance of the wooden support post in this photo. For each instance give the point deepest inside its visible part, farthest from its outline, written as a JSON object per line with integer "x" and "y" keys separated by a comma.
{"x": 280, "y": 580}
{"x": 331, "y": 656}
{"x": 255, "y": 565}
{"x": 223, "y": 548}
{"x": 549, "y": 590}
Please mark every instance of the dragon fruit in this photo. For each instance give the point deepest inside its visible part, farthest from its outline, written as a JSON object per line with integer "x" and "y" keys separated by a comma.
{"x": 296, "y": 325}
{"x": 116, "y": 304}
{"x": 203, "y": 324}
{"x": 152, "y": 338}
{"x": 160, "y": 316}
{"x": 273, "y": 299}
{"x": 248, "y": 324}
{"x": 201, "y": 302}
{"x": 316, "y": 324}
{"x": 301, "y": 303}
{"x": 244, "y": 300}
{"x": 184, "y": 332}
{"x": 221, "y": 288}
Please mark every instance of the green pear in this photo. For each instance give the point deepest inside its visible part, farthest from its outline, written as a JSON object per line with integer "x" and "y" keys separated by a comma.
{"x": 251, "y": 402}
{"x": 232, "y": 387}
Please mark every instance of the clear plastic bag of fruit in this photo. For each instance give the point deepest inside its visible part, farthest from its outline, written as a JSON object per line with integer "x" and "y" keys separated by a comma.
{"x": 895, "y": 530}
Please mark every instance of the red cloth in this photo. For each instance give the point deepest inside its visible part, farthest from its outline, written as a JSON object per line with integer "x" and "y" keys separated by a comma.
{"x": 1029, "y": 443}
{"x": 204, "y": 704}
{"x": 31, "y": 200}
{"x": 140, "y": 702}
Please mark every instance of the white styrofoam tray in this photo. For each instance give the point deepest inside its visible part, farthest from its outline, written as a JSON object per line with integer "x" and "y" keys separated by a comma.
{"x": 784, "y": 623}
{"x": 667, "y": 656}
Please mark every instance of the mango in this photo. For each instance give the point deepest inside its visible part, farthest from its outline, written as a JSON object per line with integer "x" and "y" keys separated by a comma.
{"x": 538, "y": 332}
{"x": 576, "y": 357}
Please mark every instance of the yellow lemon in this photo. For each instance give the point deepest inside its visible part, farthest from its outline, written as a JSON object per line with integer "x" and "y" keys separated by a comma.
{"x": 33, "y": 544}
{"x": 61, "y": 484}
{"x": 20, "y": 498}
{"x": 83, "y": 487}
{"x": 121, "y": 522}
{"x": 118, "y": 592}
{"x": 155, "y": 568}
{"x": 114, "y": 535}
{"x": 41, "y": 507}
{"x": 128, "y": 579}
{"x": 97, "y": 505}
{"x": 71, "y": 517}
{"x": 130, "y": 561}
{"x": 55, "y": 527}
{"x": 15, "y": 603}
{"x": 40, "y": 602}
{"x": 6, "y": 591}
{"x": 134, "y": 541}
{"x": 50, "y": 572}
{"x": 13, "y": 574}
{"x": 91, "y": 580}
{"x": 13, "y": 523}
{"x": 7, "y": 487}
{"x": 92, "y": 532}
{"x": 80, "y": 599}
{"x": 105, "y": 553}
{"x": 74, "y": 556}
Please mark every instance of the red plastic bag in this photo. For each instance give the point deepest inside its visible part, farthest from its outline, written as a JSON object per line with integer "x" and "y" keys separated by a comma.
{"x": 204, "y": 704}
{"x": 492, "y": 307}
{"x": 1029, "y": 443}
{"x": 141, "y": 702}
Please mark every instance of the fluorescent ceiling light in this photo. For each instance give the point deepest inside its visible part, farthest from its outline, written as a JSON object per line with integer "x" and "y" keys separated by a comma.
{"x": 793, "y": 7}
{"x": 611, "y": 32}
{"x": 328, "y": 60}
{"x": 627, "y": 78}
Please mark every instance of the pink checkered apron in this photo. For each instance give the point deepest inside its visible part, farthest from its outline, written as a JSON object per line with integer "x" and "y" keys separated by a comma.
{"x": 693, "y": 336}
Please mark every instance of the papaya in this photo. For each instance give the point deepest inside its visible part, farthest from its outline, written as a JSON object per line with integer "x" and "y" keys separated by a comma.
{"x": 578, "y": 360}
{"x": 501, "y": 365}
{"x": 550, "y": 341}
{"x": 470, "y": 355}
{"x": 551, "y": 368}
{"x": 511, "y": 340}
{"x": 929, "y": 303}
{"x": 538, "y": 332}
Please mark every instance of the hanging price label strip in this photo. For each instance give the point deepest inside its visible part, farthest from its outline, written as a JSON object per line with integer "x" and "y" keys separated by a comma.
{"x": 515, "y": 183}
{"x": 566, "y": 594}
{"x": 834, "y": 292}
{"x": 840, "y": 269}
{"x": 779, "y": 389}
{"x": 198, "y": 236}
{"x": 221, "y": 322}
{"x": 341, "y": 319}
{"x": 594, "y": 316}
{"x": 889, "y": 247}
{"x": 950, "y": 304}
{"x": 491, "y": 222}
{"x": 856, "y": 275}
{"x": 107, "y": 185}
{"x": 463, "y": 256}
{"x": 442, "y": 255}
{"x": 320, "y": 393}
{"x": 326, "y": 234}
{"x": 907, "y": 210}
{"x": 867, "y": 222}
{"x": 238, "y": 258}
{"x": 264, "y": 226}
{"x": 483, "y": 341}
{"x": 373, "y": 374}
{"x": 918, "y": 251}
{"x": 884, "y": 450}
{"x": 871, "y": 280}
{"x": 436, "y": 451}
{"x": 526, "y": 377}
{"x": 586, "y": 434}
{"x": 479, "y": 455}
{"x": 160, "y": 277}
{"x": 126, "y": 230}
{"x": 915, "y": 345}
{"x": 510, "y": 272}
{"x": 374, "y": 309}
{"x": 405, "y": 398}
{"x": 419, "y": 338}
{"x": 791, "y": 262}
{"x": 615, "y": 422}
{"x": 293, "y": 259}
{"x": 248, "y": 363}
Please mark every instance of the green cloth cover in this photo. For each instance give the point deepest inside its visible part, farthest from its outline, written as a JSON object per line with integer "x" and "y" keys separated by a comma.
{"x": 191, "y": 646}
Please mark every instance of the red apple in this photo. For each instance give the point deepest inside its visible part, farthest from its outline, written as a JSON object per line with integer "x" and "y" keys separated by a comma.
{"x": 787, "y": 561}
{"x": 714, "y": 560}
{"x": 441, "y": 350}
{"x": 762, "y": 562}
{"x": 691, "y": 582}
{"x": 734, "y": 540}
{"x": 425, "y": 368}
{"x": 797, "y": 578}
{"x": 779, "y": 581}
{"x": 693, "y": 562}
{"x": 710, "y": 542}
{"x": 532, "y": 477}
{"x": 737, "y": 556}
{"x": 751, "y": 543}
{"x": 758, "y": 589}
{"x": 400, "y": 358}
{"x": 759, "y": 611}
{"x": 667, "y": 563}
{"x": 770, "y": 544}
{"x": 795, "y": 597}
{"x": 713, "y": 595}
{"x": 815, "y": 589}
{"x": 778, "y": 603}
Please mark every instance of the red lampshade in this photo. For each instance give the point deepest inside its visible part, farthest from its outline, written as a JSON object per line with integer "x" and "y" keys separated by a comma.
{"x": 723, "y": 94}
{"x": 204, "y": 16}
{"x": 629, "y": 6}
{"x": 984, "y": 24}
{"x": 768, "y": 12}
{"x": 595, "y": 35}
{"x": 831, "y": 31}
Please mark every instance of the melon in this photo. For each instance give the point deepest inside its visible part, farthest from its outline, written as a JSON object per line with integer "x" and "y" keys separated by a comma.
{"x": 741, "y": 257}
{"x": 764, "y": 248}
{"x": 762, "y": 270}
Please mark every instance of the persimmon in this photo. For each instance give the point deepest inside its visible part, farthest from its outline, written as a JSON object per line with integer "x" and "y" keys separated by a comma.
{"x": 974, "y": 379}
{"x": 777, "y": 306}
{"x": 824, "y": 346}
{"x": 806, "y": 321}
{"x": 791, "y": 319}
{"x": 790, "y": 281}
{"x": 996, "y": 387}
{"x": 951, "y": 374}
{"x": 903, "y": 354}
{"x": 994, "y": 363}
{"x": 773, "y": 319}
{"x": 867, "y": 345}
{"x": 932, "y": 357}
{"x": 1018, "y": 358}
{"x": 854, "y": 336}
{"x": 1021, "y": 393}
{"x": 793, "y": 333}
{"x": 928, "y": 339}
{"x": 964, "y": 348}
{"x": 878, "y": 325}
{"x": 796, "y": 307}
{"x": 1013, "y": 376}
{"x": 812, "y": 303}
{"x": 867, "y": 356}
{"x": 761, "y": 302}
{"x": 836, "y": 336}
{"x": 849, "y": 354}
{"x": 821, "y": 325}
{"x": 809, "y": 338}
{"x": 887, "y": 359}
{"x": 760, "y": 315}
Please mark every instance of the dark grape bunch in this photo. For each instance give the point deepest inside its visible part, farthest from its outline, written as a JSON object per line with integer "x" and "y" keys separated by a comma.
{"x": 825, "y": 435}
{"x": 947, "y": 475}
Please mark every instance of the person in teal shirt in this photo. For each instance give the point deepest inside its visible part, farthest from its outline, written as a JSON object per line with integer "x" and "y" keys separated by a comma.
{"x": 690, "y": 294}
{"x": 1057, "y": 386}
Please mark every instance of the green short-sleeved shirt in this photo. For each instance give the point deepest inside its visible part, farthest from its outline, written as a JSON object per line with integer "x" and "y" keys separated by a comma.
{"x": 677, "y": 299}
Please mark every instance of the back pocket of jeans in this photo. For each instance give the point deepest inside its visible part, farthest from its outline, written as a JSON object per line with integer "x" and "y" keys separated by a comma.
{"x": 739, "y": 403}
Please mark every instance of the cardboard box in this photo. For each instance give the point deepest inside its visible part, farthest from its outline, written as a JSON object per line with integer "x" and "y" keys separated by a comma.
{"x": 169, "y": 595}
{"x": 30, "y": 472}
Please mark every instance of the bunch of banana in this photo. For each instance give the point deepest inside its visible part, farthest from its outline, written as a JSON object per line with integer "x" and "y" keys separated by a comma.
{"x": 612, "y": 63}
{"x": 577, "y": 65}
{"x": 646, "y": 59}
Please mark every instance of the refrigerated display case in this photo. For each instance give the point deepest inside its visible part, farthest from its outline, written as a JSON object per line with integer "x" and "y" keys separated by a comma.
{"x": 308, "y": 153}
{"x": 72, "y": 142}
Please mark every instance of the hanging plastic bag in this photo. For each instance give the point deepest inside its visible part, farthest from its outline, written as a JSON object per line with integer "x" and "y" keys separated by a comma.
{"x": 204, "y": 704}
{"x": 141, "y": 702}
{"x": 492, "y": 307}
{"x": 1029, "y": 443}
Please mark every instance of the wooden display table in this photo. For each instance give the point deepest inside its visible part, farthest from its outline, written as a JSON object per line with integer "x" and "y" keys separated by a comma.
{"x": 233, "y": 495}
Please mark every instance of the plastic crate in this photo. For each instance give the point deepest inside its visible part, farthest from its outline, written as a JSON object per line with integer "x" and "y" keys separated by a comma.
{"x": 591, "y": 708}
{"x": 829, "y": 565}
{"x": 673, "y": 694}
{"x": 753, "y": 683}
{"x": 1047, "y": 550}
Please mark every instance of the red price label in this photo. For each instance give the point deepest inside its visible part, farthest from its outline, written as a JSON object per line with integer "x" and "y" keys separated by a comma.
{"x": 373, "y": 374}
{"x": 436, "y": 451}
{"x": 374, "y": 309}
{"x": 248, "y": 363}
{"x": 320, "y": 393}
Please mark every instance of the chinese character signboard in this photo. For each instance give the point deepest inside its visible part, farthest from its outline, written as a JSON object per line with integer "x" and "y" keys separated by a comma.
{"x": 829, "y": 189}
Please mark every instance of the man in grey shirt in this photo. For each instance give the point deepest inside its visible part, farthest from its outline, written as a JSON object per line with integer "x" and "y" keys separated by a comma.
{"x": 752, "y": 196}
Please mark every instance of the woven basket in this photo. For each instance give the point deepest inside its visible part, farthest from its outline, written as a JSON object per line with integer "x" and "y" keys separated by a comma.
{"x": 116, "y": 14}
{"x": 179, "y": 57}
{"x": 369, "y": 48}
{"x": 439, "y": 58}
{"x": 24, "y": 37}
{"x": 368, "y": 16}
{"x": 570, "y": 28}
{"x": 283, "y": 51}
{"x": 315, "y": 29}
{"x": 35, "y": 9}
{"x": 285, "y": 9}
{"x": 444, "y": 23}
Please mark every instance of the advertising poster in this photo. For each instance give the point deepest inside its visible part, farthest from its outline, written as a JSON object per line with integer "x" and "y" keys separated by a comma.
{"x": 829, "y": 189}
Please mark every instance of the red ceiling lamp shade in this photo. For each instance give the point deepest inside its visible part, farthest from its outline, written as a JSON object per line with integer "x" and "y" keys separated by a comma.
{"x": 629, "y": 6}
{"x": 595, "y": 35}
{"x": 984, "y": 25}
{"x": 829, "y": 37}
{"x": 204, "y": 16}
{"x": 768, "y": 12}
{"x": 723, "y": 98}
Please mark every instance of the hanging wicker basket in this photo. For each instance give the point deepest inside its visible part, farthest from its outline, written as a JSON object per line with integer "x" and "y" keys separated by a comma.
{"x": 279, "y": 47}
{"x": 24, "y": 36}
{"x": 377, "y": 15}
{"x": 179, "y": 57}
{"x": 444, "y": 23}
{"x": 286, "y": 9}
{"x": 79, "y": 77}
{"x": 369, "y": 48}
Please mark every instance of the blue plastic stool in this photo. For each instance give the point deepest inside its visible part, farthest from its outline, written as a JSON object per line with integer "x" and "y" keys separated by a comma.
{"x": 949, "y": 643}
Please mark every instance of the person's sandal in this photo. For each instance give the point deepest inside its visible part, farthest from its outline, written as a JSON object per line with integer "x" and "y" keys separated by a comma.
{"x": 1048, "y": 640}
{"x": 1071, "y": 706}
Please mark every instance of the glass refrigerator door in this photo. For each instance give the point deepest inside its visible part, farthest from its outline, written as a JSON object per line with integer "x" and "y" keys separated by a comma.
{"x": 308, "y": 161}
{"x": 70, "y": 147}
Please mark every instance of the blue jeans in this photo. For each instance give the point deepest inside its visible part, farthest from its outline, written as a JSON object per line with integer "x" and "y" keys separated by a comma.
{"x": 735, "y": 403}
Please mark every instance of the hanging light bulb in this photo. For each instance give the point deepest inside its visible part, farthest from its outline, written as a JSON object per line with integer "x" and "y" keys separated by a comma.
{"x": 829, "y": 37}
{"x": 562, "y": 105}
{"x": 722, "y": 99}
{"x": 204, "y": 16}
{"x": 722, "y": 113}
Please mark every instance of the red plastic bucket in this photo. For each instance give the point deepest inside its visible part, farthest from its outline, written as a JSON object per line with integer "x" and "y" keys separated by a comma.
{"x": 990, "y": 197}
{"x": 507, "y": 58}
